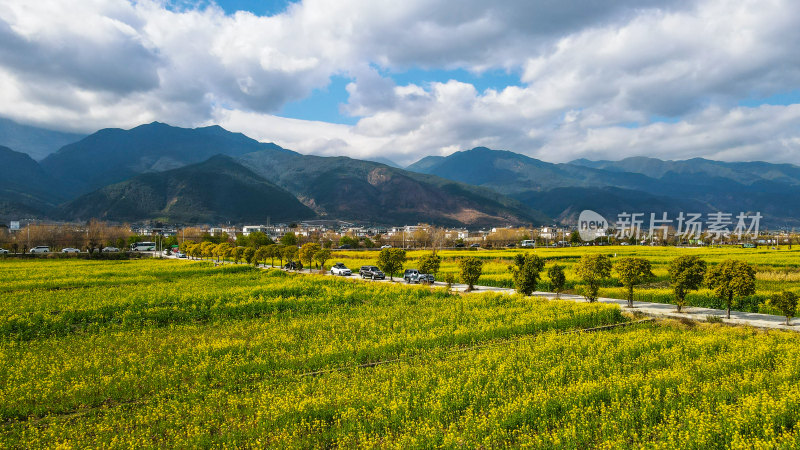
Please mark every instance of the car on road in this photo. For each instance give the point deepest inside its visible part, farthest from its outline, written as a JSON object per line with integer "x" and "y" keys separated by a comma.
{"x": 385, "y": 246}
{"x": 414, "y": 276}
{"x": 70, "y": 250}
{"x": 475, "y": 246}
{"x": 459, "y": 245}
{"x": 371, "y": 272}
{"x": 40, "y": 249}
{"x": 110, "y": 249}
{"x": 511, "y": 245}
{"x": 426, "y": 278}
{"x": 293, "y": 265}
{"x": 180, "y": 255}
{"x": 3, "y": 251}
{"x": 345, "y": 247}
{"x": 340, "y": 269}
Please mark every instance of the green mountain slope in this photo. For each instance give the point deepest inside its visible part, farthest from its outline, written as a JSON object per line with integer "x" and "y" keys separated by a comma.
{"x": 25, "y": 190}
{"x": 217, "y": 190}
{"x": 340, "y": 187}
{"x": 112, "y": 155}
{"x": 696, "y": 185}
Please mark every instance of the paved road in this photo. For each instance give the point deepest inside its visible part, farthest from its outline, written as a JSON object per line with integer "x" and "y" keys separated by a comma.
{"x": 664, "y": 310}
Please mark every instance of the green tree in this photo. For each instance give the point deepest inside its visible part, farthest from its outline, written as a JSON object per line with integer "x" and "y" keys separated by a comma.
{"x": 289, "y": 239}
{"x": 391, "y": 260}
{"x": 238, "y": 253}
{"x": 322, "y": 256}
{"x": 207, "y": 249}
{"x": 471, "y": 269}
{"x": 289, "y": 253}
{"x": 347, "y": 240}
{"x": 686, "y": 274}
{"x": 526, "y": 271}
{"x": 258, "y": 239}
{"x": 368, "y": 243}
{"x": 592, "y": 270}
{"x": 430, "y": 263}
{"x": 249, "y": 254}
{"x": 307, "y": 252}
{"x": 575, "y": 238}
{"x": 786, "y": 302}
{"x": 262, "y": 253}
{"x": 222, "y": 251}
{"x": 633, "y": 271}
{"x": 273, "y": 251}
{"x": 557, "y": 278}
{"x": 730, "y": 279}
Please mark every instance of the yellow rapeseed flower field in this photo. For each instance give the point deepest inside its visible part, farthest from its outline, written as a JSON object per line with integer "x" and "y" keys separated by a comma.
{"x": 184, "y": 354}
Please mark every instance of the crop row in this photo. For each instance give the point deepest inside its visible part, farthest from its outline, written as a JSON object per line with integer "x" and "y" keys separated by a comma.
{"x": 651, "y": 386}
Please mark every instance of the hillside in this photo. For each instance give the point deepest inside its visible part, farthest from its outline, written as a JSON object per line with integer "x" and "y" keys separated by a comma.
{"x": 653, "y": 185}
{"x": 24, "y": 187}
{"x": 746, "y": 173}
{"x": 340, "y": 187}
{"x": 112, "y": 155}
{"x": 217, "y": 190}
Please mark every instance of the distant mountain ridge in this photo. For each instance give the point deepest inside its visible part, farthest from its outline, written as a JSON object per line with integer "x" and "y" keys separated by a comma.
{"x": 156, "y": 171}
{"x": 696, "y": 185}
{"x": 127, "y": 174}
{"x": 34, "y": 141}
{"x": 112, "y": 155}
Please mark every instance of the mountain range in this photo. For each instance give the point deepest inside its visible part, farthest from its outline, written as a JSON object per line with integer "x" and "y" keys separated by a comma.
{"x": 210, "y": 175}
{"x": 638, "y": 184}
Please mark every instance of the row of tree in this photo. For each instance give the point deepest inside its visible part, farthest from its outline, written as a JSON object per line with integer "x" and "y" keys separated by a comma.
{"x": 728, "y": 280}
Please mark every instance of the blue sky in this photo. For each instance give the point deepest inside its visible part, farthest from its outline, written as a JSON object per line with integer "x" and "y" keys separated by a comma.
{"x": 673, "y": 79}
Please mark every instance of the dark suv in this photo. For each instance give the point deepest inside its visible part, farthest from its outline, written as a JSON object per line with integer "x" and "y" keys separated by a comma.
{"x": 371, "y": 272}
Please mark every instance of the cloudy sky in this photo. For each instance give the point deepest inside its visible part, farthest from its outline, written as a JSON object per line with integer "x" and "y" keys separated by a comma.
{"x": 553, "y": 79}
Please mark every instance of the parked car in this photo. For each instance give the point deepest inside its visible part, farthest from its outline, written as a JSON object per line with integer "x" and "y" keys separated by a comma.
{"x": 371, "y": 272}
{"x": 293, "y": 265}
{"x": 3, "y": 251}
{"x": 40, "y": 249}
{"x": 385, "y": 246}
{"x": 340, "y": 269}
{"x": 426, "y": 278}
{"x": 70, "y": 250}
{"x": 414, "y": 276}
{"x": 110, "y": 249}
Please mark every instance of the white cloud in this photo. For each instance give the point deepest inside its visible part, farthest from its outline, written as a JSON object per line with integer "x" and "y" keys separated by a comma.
{"x": 589, "y": 69}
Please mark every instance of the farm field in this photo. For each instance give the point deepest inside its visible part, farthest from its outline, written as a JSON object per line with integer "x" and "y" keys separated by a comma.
{"x": 776, "y": 270}
{"x": 174, "y": 353}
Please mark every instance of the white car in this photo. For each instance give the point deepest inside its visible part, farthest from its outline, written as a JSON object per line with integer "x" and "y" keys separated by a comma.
{"x": 40, "y": 249}
{"x": 385, "y": 246}
{"x": 70, "y": 250}
{"x": 3, "y": 251}
{"x": 110, "y": 249}
{"x": 340, "y": 269}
